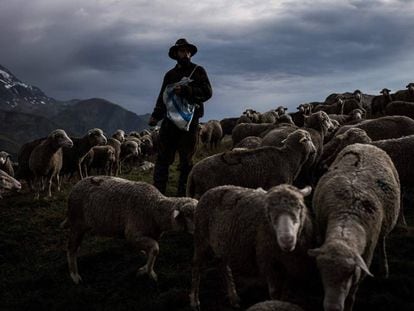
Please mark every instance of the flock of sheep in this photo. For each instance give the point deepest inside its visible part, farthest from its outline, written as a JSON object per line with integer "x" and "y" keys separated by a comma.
{"x": 350, "y": 155}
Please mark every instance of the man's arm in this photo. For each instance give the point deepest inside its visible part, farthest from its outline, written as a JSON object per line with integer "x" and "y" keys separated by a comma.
{"x": 200, "y": 89}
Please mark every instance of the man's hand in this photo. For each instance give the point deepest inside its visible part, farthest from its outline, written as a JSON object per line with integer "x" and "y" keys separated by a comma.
{"x": 152, "y": 121}
{"x": 177, "y": 90}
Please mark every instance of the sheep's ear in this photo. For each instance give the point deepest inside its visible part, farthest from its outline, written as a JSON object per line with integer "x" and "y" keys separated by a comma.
{"x": 315, "y": 252}
{"x": 306, "y": 191}
{"x": 176, "y": 213}
{"x": 361, "y": 263}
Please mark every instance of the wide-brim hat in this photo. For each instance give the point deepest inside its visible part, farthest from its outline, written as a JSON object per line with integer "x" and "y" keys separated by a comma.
{"x": 181, "y": 42}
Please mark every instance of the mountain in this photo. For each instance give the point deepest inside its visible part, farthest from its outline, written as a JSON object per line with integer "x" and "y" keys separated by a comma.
{"x": 96, "y": 112}
{"x": 27, "y": 113}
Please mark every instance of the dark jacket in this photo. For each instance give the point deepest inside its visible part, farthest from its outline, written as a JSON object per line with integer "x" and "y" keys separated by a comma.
{"x": 196, "y": 92}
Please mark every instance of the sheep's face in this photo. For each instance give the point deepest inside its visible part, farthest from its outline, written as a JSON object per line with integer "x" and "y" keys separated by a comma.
{"x": 357, "y": 114}
{"x": 340, "y": 268}
{"x": 286, "y": 211}
{"x": 385, "y": 92}
{"x": 410, "y": 88}
{"x": 3, "y": 157}
{"x": 119, "y": 135}
{"x": 182, "y": 218}
{"x": 111, "y": 155}
{"x": 132, "y": 148}
{"x": 280, "y": 110}
{"x": 96, "y": 137}
{"x": 358, "y": 95}
{"x": 8, "y": 183}
{"x": 61, "y": 138}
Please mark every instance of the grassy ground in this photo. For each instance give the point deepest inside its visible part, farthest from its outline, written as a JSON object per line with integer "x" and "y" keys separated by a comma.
{"x": 33, "y": 269}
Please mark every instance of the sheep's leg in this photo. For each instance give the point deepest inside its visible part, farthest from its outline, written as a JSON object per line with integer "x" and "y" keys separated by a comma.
{"x": 151, "y": 248}
{"x": 58, "y": 182}
{"x": 49, "y": 189}
{"x": 230, "y": 286}
{"x": 75, "y": 240}
{"x": 37, "y": 186}
{"x": 384, "y": 259}
{"x": 199, "y": 254}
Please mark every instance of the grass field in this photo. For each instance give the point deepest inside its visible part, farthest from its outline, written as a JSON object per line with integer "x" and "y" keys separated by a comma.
{"x": 34, "y": 275}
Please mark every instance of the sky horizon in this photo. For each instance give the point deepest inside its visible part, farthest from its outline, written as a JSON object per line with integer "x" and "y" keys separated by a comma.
{"x": 258, "y": 54}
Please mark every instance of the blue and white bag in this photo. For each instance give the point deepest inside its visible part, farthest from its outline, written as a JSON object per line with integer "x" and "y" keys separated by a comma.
{"x": 179, "y": 110}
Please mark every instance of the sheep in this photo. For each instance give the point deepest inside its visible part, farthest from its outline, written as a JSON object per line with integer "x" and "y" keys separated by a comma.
{"x": 130, "y": 152}
{"x": 211, "y": 133}
{"x": 227, "y": 125}
{"x": 8, "y": 183}
{"x": 270, "y": 116}
{"x": 400, "y": 108}
{"x": 23, "y": 171}
{"x": 262, "y": 167}
{"x": 280, "y": 110}
{"x": 147, "y": 146}
{"x": 72, "y": 157}
{"x": 335, "y": 108}
{"x": 405, "y": 95}
{"x": 144, "y": 133}
{"x": 299, "y": 116}
{"x": 253, "y": 115}
{"x": 250, "y": 142}
{"x": 101, "y": 158}
{"x": 6, "y": 163}
{"x": 241, "y": 131}
{"x": 356, "y": 205}
{"x": 400, "y": 150}
{"x": 46, "y": 159}
{"x": 380, "y": 102}
{"x": 116, "y": 144}
{"x": 112, "y": 206}
{"x": 274, "y": 305}
{"x": 384, "y": 127}
{"x": 244, "y": 119}
{"x": 275, "y": 136}
{"x": 119, "y": 135}
{"x": 269, "y": 231}
{"x": 354, "y": 115}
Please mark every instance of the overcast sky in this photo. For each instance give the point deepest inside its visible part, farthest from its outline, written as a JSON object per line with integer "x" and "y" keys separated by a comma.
{"x": 257, "y": 53}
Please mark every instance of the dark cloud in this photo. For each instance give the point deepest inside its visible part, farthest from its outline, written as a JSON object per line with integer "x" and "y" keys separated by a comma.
{"x": 255, "y": 54}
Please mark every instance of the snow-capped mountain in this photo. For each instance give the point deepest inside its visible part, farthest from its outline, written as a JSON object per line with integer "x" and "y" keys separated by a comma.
{"x": 14, "y": 93}
{"x": 26, "y": 113}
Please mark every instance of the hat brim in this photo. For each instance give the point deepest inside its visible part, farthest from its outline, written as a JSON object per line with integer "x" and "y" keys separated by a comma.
{"x": 172, "y": 53}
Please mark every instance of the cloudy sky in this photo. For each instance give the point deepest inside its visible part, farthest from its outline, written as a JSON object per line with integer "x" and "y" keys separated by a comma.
{"x": 257, "y": 53}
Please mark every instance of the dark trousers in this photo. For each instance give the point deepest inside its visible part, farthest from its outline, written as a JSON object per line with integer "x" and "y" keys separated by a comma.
{"x": 172, "y": 139}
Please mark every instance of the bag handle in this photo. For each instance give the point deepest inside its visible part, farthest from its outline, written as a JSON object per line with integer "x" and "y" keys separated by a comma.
{"x": 191, "y": 74}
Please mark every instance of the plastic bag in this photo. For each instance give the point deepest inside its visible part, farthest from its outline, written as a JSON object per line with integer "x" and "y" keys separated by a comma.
{"x": 179, "y": 110}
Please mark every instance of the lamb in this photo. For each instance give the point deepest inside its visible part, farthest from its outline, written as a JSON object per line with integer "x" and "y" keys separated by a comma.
{"x": 72, "y": 157}
{"x": 356, "y": 205}
{"x": 270, "y": 231}
{"x": 6, "y": 163}
{"x": 119, "y": 135}
{"x": 250, "y": 142}
{"x": 211, "y": 133}
{"x": 275, "y": 305}
{"x": 262, "y": 167}
{"x": 112, "y": 206}
{"x": 46, "y": 159}
{"x": 8, "y": 183}
{"x": 384, "y": 127}
{"x": 100, "y": 158}
{"x": 227, "y": 125}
